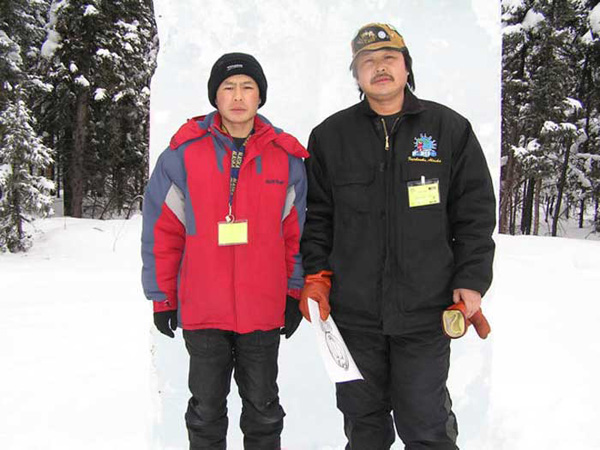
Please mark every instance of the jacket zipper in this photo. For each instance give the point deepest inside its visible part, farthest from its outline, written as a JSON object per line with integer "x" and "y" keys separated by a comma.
{"x": 388, "y": 177}
{"x": 387, "y": 137}
{"x": 235, "y": 316}
{"x": 244, "y": 159}
{"x": 235, "y": 313}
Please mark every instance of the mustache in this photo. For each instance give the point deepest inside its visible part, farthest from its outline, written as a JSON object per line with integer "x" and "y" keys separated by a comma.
{"x": 376, "y": 78}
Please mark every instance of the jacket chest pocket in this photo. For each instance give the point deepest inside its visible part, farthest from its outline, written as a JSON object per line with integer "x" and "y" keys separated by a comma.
{"x": 353, "y": 191}
{"x": 425, "y": 228}
{"x": 416, "y": 173}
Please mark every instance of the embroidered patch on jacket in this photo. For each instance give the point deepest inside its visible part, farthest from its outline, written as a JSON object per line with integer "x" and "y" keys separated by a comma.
{"x": 274, "y": 181}
{"x": 425, "y": 149}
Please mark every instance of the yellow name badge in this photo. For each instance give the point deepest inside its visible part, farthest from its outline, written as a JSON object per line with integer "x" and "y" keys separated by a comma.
{"x": 424, "y": 192}
{"x": 233, "y": 233}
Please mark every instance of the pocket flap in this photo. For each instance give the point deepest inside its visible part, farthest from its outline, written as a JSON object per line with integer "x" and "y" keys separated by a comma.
{"x": 363, "y": 177}
{"x": 412, "y": 171}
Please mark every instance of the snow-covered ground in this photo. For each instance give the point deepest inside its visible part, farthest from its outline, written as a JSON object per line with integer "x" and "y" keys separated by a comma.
{"x": 84, "y": 369}
{"x": 74, "y": 340}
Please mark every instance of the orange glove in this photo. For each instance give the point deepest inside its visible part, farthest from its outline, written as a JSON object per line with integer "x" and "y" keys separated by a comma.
{"x": 317, "y": 287}
{"x": 455, "y": 322}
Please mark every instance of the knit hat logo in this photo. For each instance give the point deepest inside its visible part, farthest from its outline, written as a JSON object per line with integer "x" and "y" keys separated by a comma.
{"x": 236, "y": 64}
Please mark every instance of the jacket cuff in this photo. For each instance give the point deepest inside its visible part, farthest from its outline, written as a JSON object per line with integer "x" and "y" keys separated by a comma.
{"x": 294, "y": 293}
{"x": 164, "y": 305}
{"x": 480, "y": 287}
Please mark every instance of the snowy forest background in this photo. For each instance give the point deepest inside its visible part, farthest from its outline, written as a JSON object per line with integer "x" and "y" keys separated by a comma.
{"x": 550, "y": 115}
{"x": 74, "y": 109}
{"x": 75, "y": 95}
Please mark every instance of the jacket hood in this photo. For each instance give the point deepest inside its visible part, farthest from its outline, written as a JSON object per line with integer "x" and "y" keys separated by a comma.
{"x": 265, "y": 132}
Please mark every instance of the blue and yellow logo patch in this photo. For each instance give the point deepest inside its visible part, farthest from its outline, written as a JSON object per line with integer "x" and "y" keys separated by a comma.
{"x": 425, "y": 149}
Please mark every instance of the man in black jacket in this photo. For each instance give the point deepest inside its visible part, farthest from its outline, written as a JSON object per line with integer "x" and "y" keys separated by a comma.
{"x": 401, "y": 211}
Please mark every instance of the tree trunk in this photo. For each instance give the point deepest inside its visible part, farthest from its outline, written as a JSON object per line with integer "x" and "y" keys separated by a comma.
{"x": 513, "y": 212}
{"x": 58, "y": 179}
{"x": 536, "y": 207}
{"x": 510, "y": 181}
{"x": 561, "y": 187}
{"x": 581, "y": 212}
{"x": 550, "y": 208}
{"x": 76, "y": 170}
{"x": 506, "y": 193}
{"x": 58, "y": 166}
{"x": 524, "y": 208}
{"x": 596, "y": 217}
{"x": 17, "y": 218}
{"x": 527, "y": 210}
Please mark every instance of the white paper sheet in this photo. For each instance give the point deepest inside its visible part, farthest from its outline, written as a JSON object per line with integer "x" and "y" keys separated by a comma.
{"x": 338, "y": 360}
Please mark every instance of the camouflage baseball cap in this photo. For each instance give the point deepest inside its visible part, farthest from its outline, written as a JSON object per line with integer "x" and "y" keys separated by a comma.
{"x": 375, "y": 36}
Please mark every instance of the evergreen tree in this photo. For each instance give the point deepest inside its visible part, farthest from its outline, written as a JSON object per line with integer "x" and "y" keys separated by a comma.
{"x": 589, "y": 158}
{"x": 24, "y": 191}
{"x": 515, "y": 46}
{"x": 100, "y": 68}
{"x": 21, "y": 35}
{"x": 549, "y": 107}
{"x": 23, "y": 157}
{"x": 76, "y": 73}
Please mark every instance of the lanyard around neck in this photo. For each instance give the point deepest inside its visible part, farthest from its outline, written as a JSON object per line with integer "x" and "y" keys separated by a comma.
{"x": 237, "y": 156}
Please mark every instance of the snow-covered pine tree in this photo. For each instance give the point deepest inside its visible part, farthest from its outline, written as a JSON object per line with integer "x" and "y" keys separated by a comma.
{"x": 546, "y": 95}
{"x": 10, "y": 67}
{"x": 552, "y": 77}
{"x": 23, "y": 157}
{"x": 21, "y": 34}
{"x": 24, "y": 191}
{"x": 127, "y": 59}
{"x": 102, "y": 56}
{"x": 515, "y": 46}
{"x": 589, "y": 158}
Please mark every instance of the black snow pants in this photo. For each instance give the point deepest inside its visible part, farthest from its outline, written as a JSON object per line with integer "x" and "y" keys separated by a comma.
{"x": 252, "y": 357}
{"x": 403, "y": 375}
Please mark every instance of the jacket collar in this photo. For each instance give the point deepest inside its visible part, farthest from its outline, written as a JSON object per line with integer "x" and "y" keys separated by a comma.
{"x": 264, "y": 133}
{"x": 412, "y": 105}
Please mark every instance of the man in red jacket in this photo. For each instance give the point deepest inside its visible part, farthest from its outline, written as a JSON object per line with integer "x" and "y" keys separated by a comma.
{"x": 223, "y": 215}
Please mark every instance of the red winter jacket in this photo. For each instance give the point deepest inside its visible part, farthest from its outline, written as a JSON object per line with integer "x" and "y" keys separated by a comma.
{"x": 241, "y": 288}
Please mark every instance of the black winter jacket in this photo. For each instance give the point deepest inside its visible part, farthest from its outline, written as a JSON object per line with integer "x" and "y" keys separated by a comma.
{"x": 394, "y": 266}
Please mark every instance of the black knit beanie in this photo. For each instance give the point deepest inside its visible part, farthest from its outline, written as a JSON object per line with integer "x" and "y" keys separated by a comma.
{"x": 236, "y": 64}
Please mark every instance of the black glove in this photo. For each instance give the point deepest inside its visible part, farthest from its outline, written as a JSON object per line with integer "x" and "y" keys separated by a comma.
{"x": 166, "y": 321}
{"x": 293, "y": 316}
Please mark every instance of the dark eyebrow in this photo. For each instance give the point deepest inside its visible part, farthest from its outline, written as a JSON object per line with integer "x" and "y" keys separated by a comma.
{"x": 243, "y": 83}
